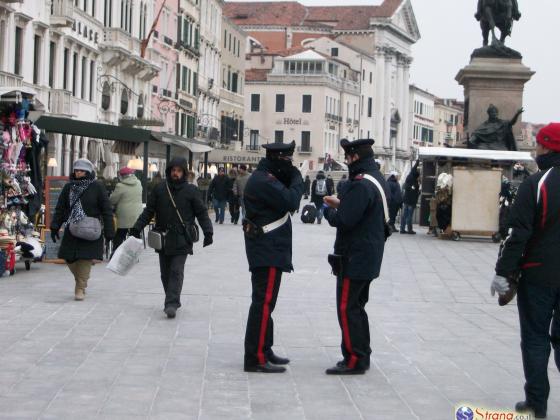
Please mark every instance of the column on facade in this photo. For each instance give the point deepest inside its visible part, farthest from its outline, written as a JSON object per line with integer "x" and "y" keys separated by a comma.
{"x": 387, "y": 99}
{"x": 399, "y": 100}
{"x": 66, "y": 152}
{"x": 406, "y": 107}
{"x": 379, "y": 95}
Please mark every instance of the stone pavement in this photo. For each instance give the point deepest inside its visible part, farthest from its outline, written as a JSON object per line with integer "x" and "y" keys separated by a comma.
{"x": 438, "y": 339}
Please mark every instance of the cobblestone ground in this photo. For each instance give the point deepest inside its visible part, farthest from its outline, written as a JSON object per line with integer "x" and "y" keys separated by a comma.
{"x": 438, "y": 339}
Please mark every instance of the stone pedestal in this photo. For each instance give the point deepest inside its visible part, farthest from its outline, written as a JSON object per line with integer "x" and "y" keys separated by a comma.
{"x": 498, "y": 81}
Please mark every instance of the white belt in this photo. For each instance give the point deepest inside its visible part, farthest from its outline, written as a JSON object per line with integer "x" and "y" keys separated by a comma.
{"x": 276, "y": 224}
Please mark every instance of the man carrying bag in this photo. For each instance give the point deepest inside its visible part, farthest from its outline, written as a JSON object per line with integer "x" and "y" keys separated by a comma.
{"x": 175, "y": 204}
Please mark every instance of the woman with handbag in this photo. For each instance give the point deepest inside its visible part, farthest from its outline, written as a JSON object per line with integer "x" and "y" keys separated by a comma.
{"x": 84, "y": 209}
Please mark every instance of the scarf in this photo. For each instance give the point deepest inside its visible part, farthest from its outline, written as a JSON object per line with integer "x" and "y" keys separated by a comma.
{"x": 76, "y": 190}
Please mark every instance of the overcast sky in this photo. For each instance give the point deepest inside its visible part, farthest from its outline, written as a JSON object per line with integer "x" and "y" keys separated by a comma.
{"x": 450, "y": 33}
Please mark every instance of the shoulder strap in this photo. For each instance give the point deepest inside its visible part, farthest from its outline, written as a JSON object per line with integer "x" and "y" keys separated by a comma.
{"x": 174, "y": 205}
{"x": 382, "y": 192}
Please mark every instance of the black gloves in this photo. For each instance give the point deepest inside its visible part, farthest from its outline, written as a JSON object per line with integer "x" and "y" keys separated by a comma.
{"x": 109, "y": 237}
{"x": 207, "y": 240}
{"x": 55, "y": 235}
{"x": 135, "y": 232}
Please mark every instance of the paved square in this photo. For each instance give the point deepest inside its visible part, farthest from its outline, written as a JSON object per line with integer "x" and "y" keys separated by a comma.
{"x": 438, "y": 339}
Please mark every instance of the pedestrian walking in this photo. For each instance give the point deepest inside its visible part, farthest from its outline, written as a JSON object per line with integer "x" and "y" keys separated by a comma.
{"x": 343, "y": 181}
{"x": 410, "y": 199}
{"x": 358, "y": 214}
{"x": 219, "y": 192}
{"x": 273, "y": 191}
{"x": 81, "y": 199}
{"x": 175, "y": 204}
{"x": 127, "y": 204}
{"x": 239, "y": 186}
{"x": 395, "y": 199}
{"x": 319, "y": 190}
{"x": 306, "y": 187}
{"x": 529, "y": 264}
{"x": 233, "y": 200}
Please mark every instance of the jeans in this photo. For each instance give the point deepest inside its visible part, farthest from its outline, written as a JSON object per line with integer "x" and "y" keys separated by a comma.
{"x": 172, "y": 268}
{"x": 539, "y": 317}
{"x": 320, "y": 211}
{"x": 220, "y": 209}
{"x": 406, "y": 217}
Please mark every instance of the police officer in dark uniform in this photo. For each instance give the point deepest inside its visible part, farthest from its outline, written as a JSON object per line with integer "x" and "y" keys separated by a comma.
{"x": 273, "y": 191}
{"x": 361, "y": 230}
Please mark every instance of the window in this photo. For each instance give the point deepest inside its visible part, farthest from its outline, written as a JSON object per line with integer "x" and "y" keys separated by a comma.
{"x": 254, "y": 139}
{"x": 124, "y": 101}
{"x": 306, "y": 104}
{"x": 234, "y": 82}
{"x": 334, "y": 52}
{"x": 18, "y": 50}
{"x": 52, "y": 59}
{"x": 106, "y": 96}
{"x": 369, "y": 107}
{"x": 229, "y": 44}
{"x": 280, "y": 102}
{"x": 75, "y": 74}
{"x": 108, "y": 15}
{"x": 225, "y": 38}
{"x": 184, "y": 77}
{"x": 306, "y": 141}
{"x": 91, "y": 79}
{"x": 255, "y": 102}
{"x": 238, "y": 47}
{"x": 363, "y": 74}
{"x": 84, "y": 77}
{"x": 65, "y": 70}
{"x": 36, "y": 59}
{"x": 278, "y": 136}
{"x": 370, "y": 77}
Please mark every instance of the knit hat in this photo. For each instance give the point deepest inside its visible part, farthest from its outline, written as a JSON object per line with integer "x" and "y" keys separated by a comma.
{"x": 83, "y": 165}
{"x": 126, "y": 171}
{"x": 549, "y": 137}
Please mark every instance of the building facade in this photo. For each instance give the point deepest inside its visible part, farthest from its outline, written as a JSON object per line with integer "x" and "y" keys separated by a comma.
{"x": 422, "y": 115}
{"x": 448, "y": 122}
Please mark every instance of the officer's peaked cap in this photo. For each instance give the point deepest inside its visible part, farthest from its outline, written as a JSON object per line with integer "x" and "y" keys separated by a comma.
{"x": 355, "y": 146}
{"x": 280, "y": 149}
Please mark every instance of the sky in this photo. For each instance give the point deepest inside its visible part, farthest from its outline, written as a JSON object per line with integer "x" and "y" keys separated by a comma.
{"x": 450, "y": 34}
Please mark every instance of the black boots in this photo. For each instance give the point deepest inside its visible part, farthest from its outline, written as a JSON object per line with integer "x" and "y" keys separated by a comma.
{"x": 170, "y": 311}
{"x": 524, "y": 407}
{"x": 277, "y": 360}
{"x": 266, "y": 368}
{"x": 341, "y": 369}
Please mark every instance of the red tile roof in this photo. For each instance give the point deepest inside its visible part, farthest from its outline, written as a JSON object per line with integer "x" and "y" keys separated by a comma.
{"x": 291, "y": 13}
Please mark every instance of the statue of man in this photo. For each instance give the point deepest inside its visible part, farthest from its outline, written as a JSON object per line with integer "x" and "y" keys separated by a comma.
{"x": 495, "y": 134}
{"x": 497, "y": 13}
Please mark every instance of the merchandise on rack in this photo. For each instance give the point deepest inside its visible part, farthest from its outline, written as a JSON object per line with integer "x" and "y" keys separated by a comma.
{"x": 20, "y": 181}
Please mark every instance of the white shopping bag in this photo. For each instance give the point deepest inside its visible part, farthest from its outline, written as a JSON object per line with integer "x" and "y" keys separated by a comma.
{"x": 126, "y": 256}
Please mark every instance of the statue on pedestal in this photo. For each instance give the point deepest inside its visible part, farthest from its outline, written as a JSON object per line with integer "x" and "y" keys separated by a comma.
{"x": 495, "y": 134}
{"x": 494, "y": 14}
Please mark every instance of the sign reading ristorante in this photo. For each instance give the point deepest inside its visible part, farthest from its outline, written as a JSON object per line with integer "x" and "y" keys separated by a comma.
{"x": 235, "y": 157}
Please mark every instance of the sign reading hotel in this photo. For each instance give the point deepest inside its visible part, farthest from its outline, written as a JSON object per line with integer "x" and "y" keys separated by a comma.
{"x": 292, "y": 121}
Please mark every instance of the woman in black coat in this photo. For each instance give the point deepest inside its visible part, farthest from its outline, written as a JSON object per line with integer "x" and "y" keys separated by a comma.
{"x": 82, "y": 196}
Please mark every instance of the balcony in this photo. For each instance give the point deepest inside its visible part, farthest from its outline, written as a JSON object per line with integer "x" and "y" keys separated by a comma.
{"x": 60, "y": 102}
{"x": 10, "y": 79}
{"x": 305, "y": 150}
{"x": 332, "y": 117}
{"x": 62, "y": 13}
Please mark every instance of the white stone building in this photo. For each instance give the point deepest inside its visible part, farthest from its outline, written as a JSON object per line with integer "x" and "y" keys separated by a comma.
{"x": 422, "y": 114}
{"x": 448, "y": 122}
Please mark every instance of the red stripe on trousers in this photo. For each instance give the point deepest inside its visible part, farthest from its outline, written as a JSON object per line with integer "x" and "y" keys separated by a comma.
{"x": 530, "y": 265}
{"x": 544, "y": 192}
{"x": 266, "y": 314}
{"x": 345, "y": 330}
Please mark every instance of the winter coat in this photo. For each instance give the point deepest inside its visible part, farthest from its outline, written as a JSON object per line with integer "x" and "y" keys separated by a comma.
{"x": 395, "y": 198}
{"x": 219, "y": 188}
{"x": 341, "y": 185}
{"x": 318, "y": 199}
{"x": 95, "y": 203}
{"x": 127, "y": 201}
{"x": 189, "y": 203}
{"x": 267, "y": 200}
{"x": 240, "y": 184}
{"x": 412, "y": 187}
{"x": 360, "y": 223}
{"x": 533, "y": 244}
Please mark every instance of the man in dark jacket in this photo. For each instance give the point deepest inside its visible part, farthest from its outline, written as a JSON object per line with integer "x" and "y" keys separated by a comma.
{"x": 273, "y": 191}
{"x": 395, "y": 199}
{"x": 410, "y": 200}
{"x": 530, "y": 254}
{"x": 178, "y": 242}
{"x": 359, "y": 217}
{"x": 219, "y": 191}
{"x": 320, "y": 189}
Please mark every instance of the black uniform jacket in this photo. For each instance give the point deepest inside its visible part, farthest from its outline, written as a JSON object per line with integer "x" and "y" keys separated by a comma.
{"x": 533, "y": 244}
{"x": 412, "y": 187}
{"x": 189, "y": 203}
{"x": 359, "y": 222}
{"x": 267, "y": 200}
{"x": 95, "y": 202}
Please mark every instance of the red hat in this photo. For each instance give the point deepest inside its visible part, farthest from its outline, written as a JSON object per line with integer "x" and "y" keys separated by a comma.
{"x": 549, "y": 137}
{"x": 126, "y": 171}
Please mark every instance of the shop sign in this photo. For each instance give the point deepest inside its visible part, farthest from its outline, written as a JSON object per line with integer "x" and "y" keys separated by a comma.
{"x": 229, "y": 156}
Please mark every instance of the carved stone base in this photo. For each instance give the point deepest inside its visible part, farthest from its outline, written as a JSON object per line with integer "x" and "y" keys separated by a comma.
{"x": 498, "y": 81}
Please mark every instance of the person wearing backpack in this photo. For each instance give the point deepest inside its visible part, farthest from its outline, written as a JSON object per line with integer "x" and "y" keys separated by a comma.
{"x": 359, "y": 214}
{"x": 82, "y": 197}
{"x": 319, "y": 190}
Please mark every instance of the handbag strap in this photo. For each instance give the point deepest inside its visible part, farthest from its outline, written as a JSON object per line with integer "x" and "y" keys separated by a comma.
{"x": 174, "y": 205}
{"x": 382, "y": 192}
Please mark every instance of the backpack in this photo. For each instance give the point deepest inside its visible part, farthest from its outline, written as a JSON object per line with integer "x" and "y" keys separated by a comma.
{"x": 321, "y": 187}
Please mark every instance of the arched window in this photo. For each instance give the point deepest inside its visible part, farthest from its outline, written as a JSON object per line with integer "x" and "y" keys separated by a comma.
{"x": 140, "y": 110}
{"x": 106, "y": 97}
{"x": 124, "y": 101}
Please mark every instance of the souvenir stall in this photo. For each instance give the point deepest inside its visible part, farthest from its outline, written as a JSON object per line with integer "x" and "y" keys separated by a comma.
{"x": 20, "y": 174}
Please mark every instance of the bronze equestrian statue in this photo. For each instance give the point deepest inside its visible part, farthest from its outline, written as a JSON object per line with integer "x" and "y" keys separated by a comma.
{"x": 497, "y": 13}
